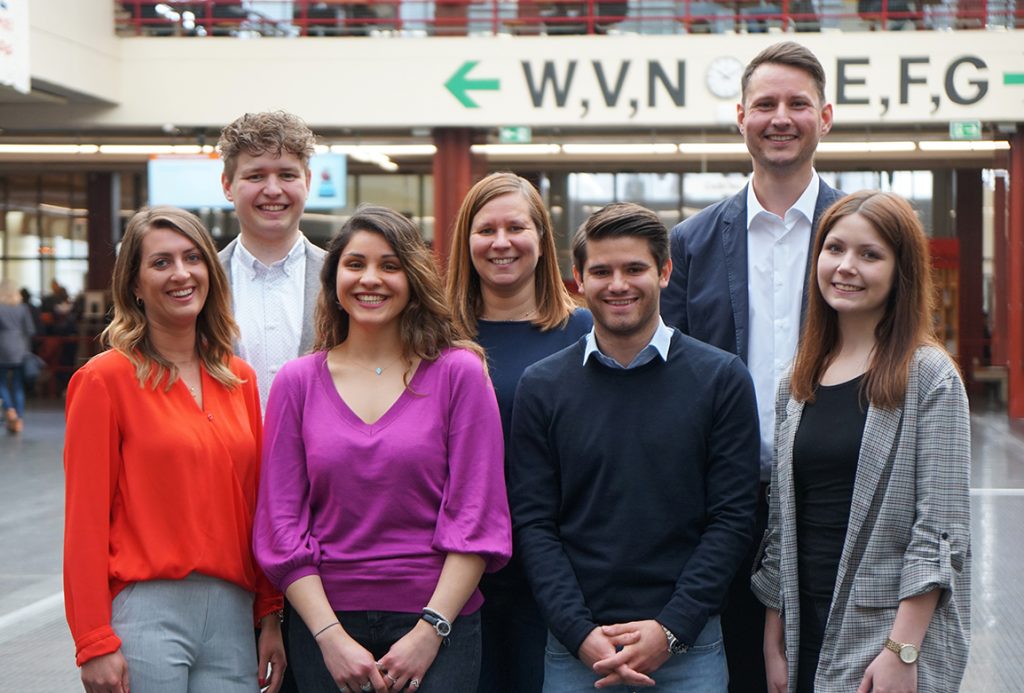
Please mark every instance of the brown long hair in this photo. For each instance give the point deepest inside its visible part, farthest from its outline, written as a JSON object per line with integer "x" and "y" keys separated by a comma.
{"x": 907, "y": 321}
{"x": 554, "y": 303}
{"x": 426, "y": 325}
{"x": 128, "y": 332}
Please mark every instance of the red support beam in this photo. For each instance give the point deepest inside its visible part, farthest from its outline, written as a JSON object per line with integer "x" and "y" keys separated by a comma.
{"x": 969, "y": 234}
{"x": 1015, "y": 278}
{"x": 103, "y": 228}
{"x": 455, "y": 170}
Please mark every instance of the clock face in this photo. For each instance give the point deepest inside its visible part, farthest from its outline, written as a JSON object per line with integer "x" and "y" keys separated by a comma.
{"x": 723, "y": 77}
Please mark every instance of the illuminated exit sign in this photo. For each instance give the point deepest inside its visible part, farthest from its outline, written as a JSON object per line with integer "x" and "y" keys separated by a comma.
{"x": 965, "y": 129}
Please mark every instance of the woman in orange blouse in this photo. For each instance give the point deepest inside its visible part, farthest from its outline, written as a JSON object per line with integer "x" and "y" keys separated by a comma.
{"x": 162, "y": 462}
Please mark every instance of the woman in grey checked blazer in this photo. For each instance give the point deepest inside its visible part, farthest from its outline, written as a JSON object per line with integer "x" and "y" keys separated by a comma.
{"x": 865, "y": 566}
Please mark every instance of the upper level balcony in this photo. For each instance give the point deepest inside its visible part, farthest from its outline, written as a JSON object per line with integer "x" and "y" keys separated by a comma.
{"x": 388, "y": 18}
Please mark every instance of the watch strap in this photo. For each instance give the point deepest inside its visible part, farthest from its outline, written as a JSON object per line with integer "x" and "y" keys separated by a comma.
{"x": 674, "y": 645}
{"x": 907, "y": 652}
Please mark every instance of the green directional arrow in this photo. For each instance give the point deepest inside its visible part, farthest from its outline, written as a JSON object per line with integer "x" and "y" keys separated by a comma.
{"x": 458, "y": 84}
{"x": 1013, "y": 78}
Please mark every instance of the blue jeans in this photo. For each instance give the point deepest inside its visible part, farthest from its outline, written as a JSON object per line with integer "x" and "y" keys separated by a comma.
{"x": 700, "y": 670}
{"x": 13, "y": 397}
{"x": 456, "y": 667}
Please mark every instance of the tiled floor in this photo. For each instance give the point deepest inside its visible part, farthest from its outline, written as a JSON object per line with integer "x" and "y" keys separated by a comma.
{"x": 37, "y": 656}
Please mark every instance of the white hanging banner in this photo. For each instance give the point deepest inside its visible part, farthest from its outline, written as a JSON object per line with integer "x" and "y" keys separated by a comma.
{"x": 14, "y": 45}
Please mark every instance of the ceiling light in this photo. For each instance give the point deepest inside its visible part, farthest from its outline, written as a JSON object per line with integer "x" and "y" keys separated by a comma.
{"x": 955, "y": 146}
{"x": 516, "y": 149}
{"x": 48, "y": 148}
{"x": 865, "y": 147}
{"x": 713, "y": 148}
{"x": 620, "y": 149}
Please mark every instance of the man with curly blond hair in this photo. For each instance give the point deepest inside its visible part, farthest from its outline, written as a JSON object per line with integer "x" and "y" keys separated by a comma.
{"x": 273, "y": 269}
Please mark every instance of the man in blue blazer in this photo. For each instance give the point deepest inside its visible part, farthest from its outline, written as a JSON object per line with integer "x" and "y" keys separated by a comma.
{"x": 740, "y": 274}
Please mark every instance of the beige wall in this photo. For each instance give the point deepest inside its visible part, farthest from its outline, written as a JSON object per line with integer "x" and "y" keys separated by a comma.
{"x": 72, "y": 47}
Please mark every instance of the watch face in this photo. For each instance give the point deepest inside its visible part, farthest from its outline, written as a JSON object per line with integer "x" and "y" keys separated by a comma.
{"x": 908, "y": 653}
{"x": 723, "y": 77}
{"x": 443, "y": 628}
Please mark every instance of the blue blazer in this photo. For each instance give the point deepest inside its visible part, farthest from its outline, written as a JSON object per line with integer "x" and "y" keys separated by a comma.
{"x": 706, "y": 297}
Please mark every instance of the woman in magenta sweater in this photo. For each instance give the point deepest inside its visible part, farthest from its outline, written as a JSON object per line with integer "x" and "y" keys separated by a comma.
{"x": 382, "y": 500}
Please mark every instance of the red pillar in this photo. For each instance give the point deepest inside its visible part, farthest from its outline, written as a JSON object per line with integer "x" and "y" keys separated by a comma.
{"x": 102, "y": 200}
{"x": 969, "y": 233}
{"x": 455, "y": 171}
{"x": 1015, "y": 278}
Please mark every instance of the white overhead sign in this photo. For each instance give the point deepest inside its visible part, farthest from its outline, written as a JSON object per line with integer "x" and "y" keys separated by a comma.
{"x": 627, "y": 82}
{"x": 14, "y": 70}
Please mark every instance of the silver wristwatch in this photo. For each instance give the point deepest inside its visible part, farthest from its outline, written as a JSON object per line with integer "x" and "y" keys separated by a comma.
{"x": 674, "y": 645}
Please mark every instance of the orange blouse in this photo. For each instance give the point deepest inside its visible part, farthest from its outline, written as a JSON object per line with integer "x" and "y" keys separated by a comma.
{"x": 156, "y": 488}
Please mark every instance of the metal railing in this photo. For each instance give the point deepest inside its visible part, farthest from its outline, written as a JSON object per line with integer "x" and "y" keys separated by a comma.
{"x": 244, "y": 18}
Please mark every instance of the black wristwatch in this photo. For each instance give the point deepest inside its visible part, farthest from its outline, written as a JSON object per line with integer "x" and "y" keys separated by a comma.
{"x": 442, "y": 626}
{"x": 674, "y": 645}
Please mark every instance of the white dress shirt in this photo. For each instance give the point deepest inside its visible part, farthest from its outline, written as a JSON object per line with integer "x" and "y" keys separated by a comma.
{"x": 268, "y": 305}
{"x": 776, "y": 261}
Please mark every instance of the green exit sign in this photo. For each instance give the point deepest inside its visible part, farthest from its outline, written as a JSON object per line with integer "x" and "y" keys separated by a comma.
{"x": 965, "y": 129}
{"x": 520, "y": 134}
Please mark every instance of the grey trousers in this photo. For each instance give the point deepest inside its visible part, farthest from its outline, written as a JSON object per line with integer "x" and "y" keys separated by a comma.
{"x": 187, "y": 636}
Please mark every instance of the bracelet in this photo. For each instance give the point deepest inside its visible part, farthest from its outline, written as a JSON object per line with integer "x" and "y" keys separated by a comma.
{"x": 317, "y": 634}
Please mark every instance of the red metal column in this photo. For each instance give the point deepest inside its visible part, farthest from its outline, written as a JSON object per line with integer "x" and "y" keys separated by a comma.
{"x": 1015, "y": 278}
{"x": 455, "y": 171}
{"x": 103, "y": 230}
{"x": 969, "y": 233}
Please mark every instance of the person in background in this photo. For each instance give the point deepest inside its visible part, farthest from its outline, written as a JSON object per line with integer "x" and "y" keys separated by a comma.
{"x": 161, "y": 462}
{"x": 505, "y": 289}
{"x": 16, "y": 331}
{"x": 382, "y": 500}
{"x": 868, "y": 544}
{"x": 738, "y": 277}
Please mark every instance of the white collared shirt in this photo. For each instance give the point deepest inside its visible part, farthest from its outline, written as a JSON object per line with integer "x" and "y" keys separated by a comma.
{"x": 268, "y": 304}
{"x": 776, "y": 260}
{"x": 658, "y": 346}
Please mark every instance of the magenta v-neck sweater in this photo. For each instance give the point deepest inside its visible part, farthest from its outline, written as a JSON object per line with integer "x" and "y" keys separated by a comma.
{"x": 373, "y": 509}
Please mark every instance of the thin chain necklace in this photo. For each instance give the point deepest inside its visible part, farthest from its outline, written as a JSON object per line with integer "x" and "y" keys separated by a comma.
{"x": 191, "y": 390}
{"x": 376, "y": 369}
{"x": 524, "y": 316}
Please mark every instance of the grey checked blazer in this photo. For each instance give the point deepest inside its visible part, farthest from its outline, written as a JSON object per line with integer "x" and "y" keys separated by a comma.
{"x": 909, "y": 532}
{"x": 314, "y": 263}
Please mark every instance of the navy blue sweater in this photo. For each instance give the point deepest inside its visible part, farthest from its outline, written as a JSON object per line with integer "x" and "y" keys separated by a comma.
{"x": 633, "y": 491}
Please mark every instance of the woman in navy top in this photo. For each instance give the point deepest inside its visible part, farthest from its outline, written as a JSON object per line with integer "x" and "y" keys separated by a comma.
{"x": 505, "y": 289}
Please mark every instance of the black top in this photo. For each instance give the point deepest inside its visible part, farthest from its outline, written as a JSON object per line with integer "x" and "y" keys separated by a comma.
{"x": 633, "y": 491}
{"x": 825, "y": 453}
{"x": 511, "y": 346}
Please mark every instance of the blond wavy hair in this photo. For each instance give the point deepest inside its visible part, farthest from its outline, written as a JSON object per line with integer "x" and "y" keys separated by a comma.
{"x": 128, "y": 333}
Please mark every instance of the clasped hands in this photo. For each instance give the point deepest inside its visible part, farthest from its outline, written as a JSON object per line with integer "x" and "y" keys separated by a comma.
{"x": 625, "y": 653}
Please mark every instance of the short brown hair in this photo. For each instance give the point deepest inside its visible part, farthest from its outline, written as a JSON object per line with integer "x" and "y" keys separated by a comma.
{"x": 788, "y": 53}
{"x": 554, "y": 304}
{"x": 272, "y": 132}
{"x": 907, "y": 321}
{"x": 619, "y": 220}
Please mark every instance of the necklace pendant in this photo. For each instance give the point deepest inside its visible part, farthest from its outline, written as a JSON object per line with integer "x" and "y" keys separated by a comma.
{"x": 378, "y": 370}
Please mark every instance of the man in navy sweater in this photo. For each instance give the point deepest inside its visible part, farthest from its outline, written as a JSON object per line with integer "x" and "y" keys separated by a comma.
{"x": 633, "y": 477}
